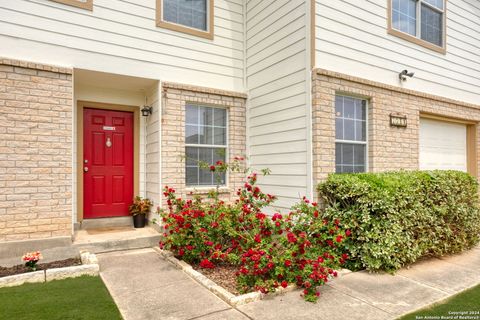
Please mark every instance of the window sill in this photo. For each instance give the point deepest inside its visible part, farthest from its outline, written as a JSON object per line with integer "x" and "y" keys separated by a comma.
{"x": 206, "y": 190}
{"x": 417, "y": 41}
{"x": 187, "y": 30}
{"x": 87, "y": 5}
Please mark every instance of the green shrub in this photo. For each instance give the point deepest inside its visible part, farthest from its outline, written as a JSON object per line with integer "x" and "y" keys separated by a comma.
{"x": 397, "y": 217}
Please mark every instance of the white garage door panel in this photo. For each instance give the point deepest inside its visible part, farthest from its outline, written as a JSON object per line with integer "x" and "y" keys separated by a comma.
{"x": 443, "y": 145}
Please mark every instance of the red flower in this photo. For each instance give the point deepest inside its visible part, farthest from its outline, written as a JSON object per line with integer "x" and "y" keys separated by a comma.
{"x": 212, "y": 168}
{"x": 284, "y": 284}
{"x": 207, "y": 264}
{"x": 291, "y": 237}
{"x": 348, "y": 233}
{"x": 219, "y": 163}
{"x": 315, "y": 214}
{"x": 288, "y": 263}
{"x": 339, "y": 238}
{"x": 214, "y": 224}
{"x": 276, "y": 216}
{"x": 258, "y": 238}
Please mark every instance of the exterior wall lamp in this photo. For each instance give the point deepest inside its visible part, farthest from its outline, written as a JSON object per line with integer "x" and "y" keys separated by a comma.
{"x": 404, "y": 74}
{"x": 146, "y": 111}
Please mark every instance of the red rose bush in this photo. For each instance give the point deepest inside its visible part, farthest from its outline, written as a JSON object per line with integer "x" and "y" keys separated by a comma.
{"x": 271, "y": 251}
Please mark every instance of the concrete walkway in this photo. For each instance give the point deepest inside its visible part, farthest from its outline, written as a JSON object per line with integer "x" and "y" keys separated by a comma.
{"x": 145, "y": 286}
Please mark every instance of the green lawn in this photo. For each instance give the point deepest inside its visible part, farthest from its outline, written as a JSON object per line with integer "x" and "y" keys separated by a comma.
{"x": 78, "y": 298}
{"x": 467, "y": 301}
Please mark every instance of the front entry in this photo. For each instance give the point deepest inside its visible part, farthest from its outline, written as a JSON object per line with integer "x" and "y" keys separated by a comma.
{"x": 107, "y": 163}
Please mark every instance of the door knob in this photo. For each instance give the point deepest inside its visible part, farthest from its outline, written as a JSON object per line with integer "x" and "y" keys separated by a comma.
{"x": 85, "y": 169}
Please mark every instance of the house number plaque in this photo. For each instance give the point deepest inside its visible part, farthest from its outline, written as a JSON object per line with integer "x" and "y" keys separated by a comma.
{"x": 398, "y": 120}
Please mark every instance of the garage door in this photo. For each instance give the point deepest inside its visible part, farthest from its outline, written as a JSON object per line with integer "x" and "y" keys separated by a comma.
{"x": 443, "y": 145}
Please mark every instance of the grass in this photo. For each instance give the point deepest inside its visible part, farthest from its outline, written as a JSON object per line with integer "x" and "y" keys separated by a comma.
{"x": 467, "y": 301}
{"x": 78, "y": 298}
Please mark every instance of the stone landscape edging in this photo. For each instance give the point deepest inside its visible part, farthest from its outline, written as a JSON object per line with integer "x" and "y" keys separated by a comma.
{"x": 221, "y": 292}
{"x": 89, "y": 267}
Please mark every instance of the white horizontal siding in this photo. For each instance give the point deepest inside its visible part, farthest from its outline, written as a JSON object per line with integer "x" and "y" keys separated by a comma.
{"x": 276, "y": 80}
{"x": 120, "y": 36}
{"x": 352, "y": 38}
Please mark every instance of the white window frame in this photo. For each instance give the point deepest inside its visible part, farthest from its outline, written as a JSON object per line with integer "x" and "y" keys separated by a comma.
{"x": 195, "y": 145}
{"x": 418, "y": 31}
{"x": 365, "y": 143}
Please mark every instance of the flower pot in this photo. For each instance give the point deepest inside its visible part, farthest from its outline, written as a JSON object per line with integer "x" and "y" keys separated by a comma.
{"x": 139, "y": 221}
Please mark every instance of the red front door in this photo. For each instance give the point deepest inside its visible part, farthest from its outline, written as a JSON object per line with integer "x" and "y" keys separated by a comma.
{"x": 107, "y": 163}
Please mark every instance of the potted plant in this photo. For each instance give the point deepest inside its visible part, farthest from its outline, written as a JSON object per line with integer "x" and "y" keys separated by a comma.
{"x": 139, "y": 209}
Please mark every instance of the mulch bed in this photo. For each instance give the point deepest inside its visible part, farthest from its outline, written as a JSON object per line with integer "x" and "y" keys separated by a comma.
{"x": 18, "y": 269}
{"x": 223, "y": 275}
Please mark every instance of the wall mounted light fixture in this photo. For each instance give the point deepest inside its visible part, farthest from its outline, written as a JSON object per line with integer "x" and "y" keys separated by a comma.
{"x": 146, "y": 110}
{"x": 404, "y": 74}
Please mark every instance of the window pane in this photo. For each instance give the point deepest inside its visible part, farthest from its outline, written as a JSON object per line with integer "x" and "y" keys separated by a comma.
{"x": 199, "y": 21}
{"x": 338, "y": 106}
{"x": 360, "y": 113}
{"x": 338, "y": 153}
{"x": 349, "y": 129}
{"x": 350, "y": 157}
{"x": 191, "y": 134}
{"x": 359, "y": 155}
{"x": 191, "y": 114}
{"x": 404, "y": 16}
{"x": 206, "y": 116}
{"x": 220, "y": 136}
{"x": 192, "y": 176}
{"x": 432, "y": 26}
{"x": 206, "y": 135}
{"x": 339, "y": 129}
{"x": 191, "y": 154}
{"x": 360, "y": 134}
{"x": 435, "y": 3}
{"x": 347, "y": 169}
{"x": 347, "y": 154}
{"x": 359, "y": 169}
{"x": 190, "y": 13}
{"x": 219, "y": 154}
{"x": 220, "y": 117}
{"x": 170, "y": 10}
{"x": 207, "y": 156}
{"x": 349, "y": 108}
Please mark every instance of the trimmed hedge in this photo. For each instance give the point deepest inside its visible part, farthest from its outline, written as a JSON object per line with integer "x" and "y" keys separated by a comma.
{"x": 397, "y": 217}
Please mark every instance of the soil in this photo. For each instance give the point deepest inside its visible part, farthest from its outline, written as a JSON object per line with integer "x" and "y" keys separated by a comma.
{"x": 18, "y": 269}
{"x": 223, "y": 275}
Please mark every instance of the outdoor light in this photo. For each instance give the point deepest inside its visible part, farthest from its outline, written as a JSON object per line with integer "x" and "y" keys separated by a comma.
{"x": 404, "y": 74}
{"x": 146, "y": 111}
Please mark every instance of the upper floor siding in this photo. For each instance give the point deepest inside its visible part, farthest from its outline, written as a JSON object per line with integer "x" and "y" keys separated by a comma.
{"x": 351, "y": 37}
{"x": 278, "y": 86}
{"x": 121, "y": 36}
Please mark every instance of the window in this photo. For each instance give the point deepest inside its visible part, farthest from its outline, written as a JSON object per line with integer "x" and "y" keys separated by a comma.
{"x": 206, "y": 141}
{"x": 188, "y": 16}
{"x": 420, "y": 21}
{"x": 84, "y": 4}
{"x": 350, "y": 134}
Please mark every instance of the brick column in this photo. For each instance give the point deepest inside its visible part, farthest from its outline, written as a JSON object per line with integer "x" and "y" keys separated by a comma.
{"x": 35, "y": 151}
